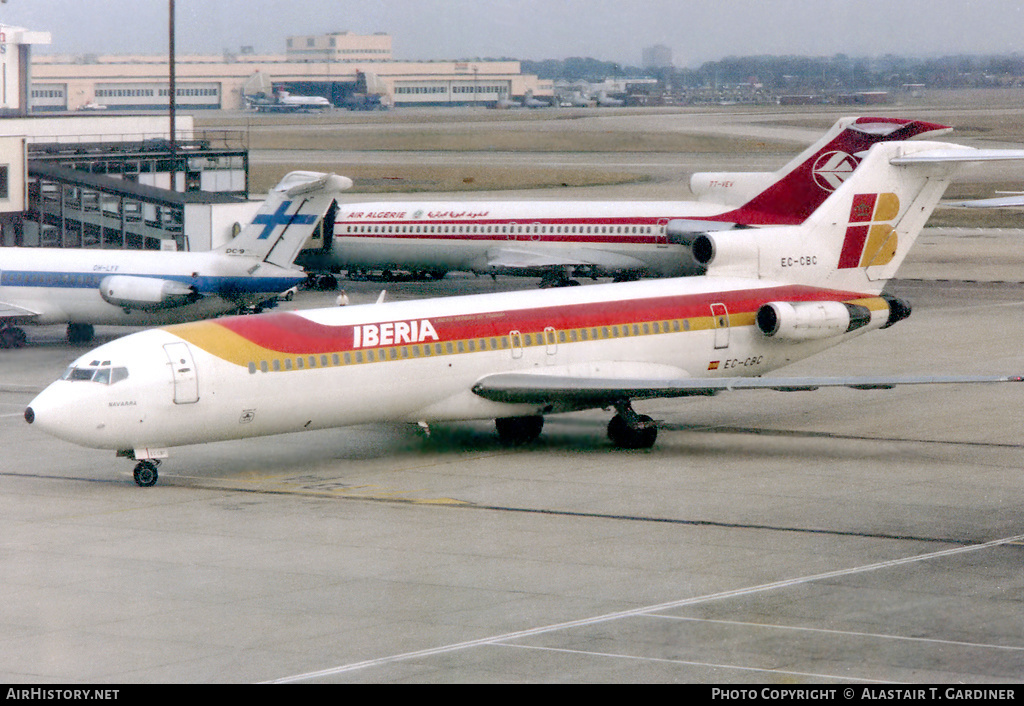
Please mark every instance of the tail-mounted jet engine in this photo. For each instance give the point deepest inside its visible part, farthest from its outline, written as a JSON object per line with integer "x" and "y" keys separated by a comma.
{"x": 146, "y": 293}
{"x": 807, "y": 321}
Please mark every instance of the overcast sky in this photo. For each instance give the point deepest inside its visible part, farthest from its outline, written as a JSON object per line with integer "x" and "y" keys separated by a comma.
{"x": 611, "y": 30}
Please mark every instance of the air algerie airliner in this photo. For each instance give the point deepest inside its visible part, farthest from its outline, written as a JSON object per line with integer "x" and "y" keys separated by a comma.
{"x": 771, "y": 296}
{"x": 149, "y": 288}
{"x": 558, "y": 240}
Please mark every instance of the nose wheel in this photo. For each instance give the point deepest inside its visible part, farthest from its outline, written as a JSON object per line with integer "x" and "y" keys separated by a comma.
{"x": 145, "y": 473}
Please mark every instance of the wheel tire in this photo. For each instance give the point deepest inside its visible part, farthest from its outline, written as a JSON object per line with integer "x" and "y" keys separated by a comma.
{"x": 80, "y": 333}
{"x": 12, "y": 338}
{"x": 624, "y": 436}
{"x": 519, "y": 430}
{"x": 146, "y": 474}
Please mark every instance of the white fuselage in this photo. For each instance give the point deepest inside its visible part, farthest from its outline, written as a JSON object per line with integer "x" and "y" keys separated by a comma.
{"x": 63, "y": 285}
{"x": 412, "y": 361}
{"x": 474, "y": 235}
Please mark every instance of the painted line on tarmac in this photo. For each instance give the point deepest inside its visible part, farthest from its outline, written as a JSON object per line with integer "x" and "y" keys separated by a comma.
{"x": 644, "y": 611}
{"x": 691, "y": 663}
{"x": 844, "y": 633}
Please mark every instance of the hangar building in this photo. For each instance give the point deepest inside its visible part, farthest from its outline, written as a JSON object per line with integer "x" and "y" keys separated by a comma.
{"x": 336, "y": 66}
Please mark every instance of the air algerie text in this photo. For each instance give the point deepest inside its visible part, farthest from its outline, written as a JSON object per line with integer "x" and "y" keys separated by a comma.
{"x": 393, "y": 333}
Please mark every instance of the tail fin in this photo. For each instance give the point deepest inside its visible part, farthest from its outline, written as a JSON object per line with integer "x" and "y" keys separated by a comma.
{"x": 857, "y": 239}
{"x": 287, "y": 218}
{"x": 791, "y": 194}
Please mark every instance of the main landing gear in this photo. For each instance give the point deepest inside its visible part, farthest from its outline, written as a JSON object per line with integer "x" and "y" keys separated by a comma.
{"x": 80, "y": 333}
{"x": 626, "y": 430}
{"x": 557, "y": 278}
{"x": 516, "y": 431}
{"x": 629, "y": 430}
{"x": 12, "y": 337}
{"x": 145, "y": 473}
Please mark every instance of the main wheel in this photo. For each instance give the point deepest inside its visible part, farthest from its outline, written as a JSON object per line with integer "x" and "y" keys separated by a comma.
{"x": 519, "y": 430}
{"x": 80, "y": 333}
{"x": 624, "y": 436}
{"x": 145, "y": 474}
{"x": 12, "y": 337}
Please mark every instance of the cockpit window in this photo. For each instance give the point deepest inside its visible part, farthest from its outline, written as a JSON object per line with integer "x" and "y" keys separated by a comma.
{"x": 96, "y": 371}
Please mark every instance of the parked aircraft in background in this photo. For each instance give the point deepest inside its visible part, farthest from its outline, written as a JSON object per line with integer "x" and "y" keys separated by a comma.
{"x": 556, "y": 240}
{"x": 150, "y": 288}
{"x": 504, "y": 102}
{"x": 771, "y": 297}
{"x": 530, "y": 102}
{"x": 285, "y": 102}
{"x": 606, "y": 101}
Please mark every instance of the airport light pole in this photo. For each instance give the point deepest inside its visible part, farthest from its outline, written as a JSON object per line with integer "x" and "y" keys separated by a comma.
{"x": 172, "y": 95}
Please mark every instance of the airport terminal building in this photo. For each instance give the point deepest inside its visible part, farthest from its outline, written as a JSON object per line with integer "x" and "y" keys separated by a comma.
{"x": 336, "y": 66}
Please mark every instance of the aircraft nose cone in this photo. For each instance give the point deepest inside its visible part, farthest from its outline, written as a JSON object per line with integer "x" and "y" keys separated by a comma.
{"x": 46, "y": 414}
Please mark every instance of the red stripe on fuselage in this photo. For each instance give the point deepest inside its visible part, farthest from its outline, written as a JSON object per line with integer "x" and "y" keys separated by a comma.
{"x": 288, "y": 332}
{"x": 417, "y": 230}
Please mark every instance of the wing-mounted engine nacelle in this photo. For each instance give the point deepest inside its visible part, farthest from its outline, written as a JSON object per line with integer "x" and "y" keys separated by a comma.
{"x": 809, "y": 321}
{"x": 730, "y": 188}
{"x": 146, "y": 293}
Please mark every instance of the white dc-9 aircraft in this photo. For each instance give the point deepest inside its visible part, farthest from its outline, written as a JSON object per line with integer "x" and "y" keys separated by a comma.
{"x": 772, "y": 296}
{"x": 84, "y": 287}
{"x": 557, "y": 240}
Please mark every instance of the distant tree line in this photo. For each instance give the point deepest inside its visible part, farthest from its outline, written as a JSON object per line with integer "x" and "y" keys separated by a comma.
{"x": 787, "y": 73}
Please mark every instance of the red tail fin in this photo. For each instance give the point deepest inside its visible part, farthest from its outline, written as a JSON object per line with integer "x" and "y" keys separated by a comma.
{"x": 808, "y": 180}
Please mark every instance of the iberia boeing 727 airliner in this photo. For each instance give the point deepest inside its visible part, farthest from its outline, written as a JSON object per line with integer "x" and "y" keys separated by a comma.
{"x": 771, "y": 297}
{"x": 623, "y": 239}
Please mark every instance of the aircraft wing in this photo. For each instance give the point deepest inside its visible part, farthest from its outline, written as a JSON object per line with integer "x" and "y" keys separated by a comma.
{"x": 526, "y": 258}
{"x": 12, "y": 314}
{"x": 582, "y": 392}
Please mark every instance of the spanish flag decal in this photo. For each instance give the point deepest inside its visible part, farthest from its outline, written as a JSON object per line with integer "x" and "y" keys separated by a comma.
{"x": 870, "y": 237}
{"x": 713, "y": 365}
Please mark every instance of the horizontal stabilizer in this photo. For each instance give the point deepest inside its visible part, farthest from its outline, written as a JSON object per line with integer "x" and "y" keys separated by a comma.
{"x": 299, "y": 183}
{"x": 1015, "y": 201}
{"x": 957, "y": 155}
{"x": 538, "y": 388}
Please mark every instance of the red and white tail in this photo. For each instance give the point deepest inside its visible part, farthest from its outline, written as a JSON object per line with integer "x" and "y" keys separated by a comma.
{"x": 791, "y": 194}
{"x": 857, "y": 239}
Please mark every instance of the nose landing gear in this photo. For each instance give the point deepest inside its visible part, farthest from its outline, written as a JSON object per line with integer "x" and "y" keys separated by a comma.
{"x": 145, "y": 473}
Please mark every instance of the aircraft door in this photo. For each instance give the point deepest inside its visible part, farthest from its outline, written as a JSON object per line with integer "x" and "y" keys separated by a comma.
{"x": 550, "y": 342}
{"x": 720, "y": 322}
{"x": 515, "y": 339}
{"x": 183, "y": 368}
{"x": 661, "y": 233}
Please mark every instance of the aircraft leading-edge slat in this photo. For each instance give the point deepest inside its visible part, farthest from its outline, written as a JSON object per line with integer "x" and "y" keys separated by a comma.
{"x": 626, "y": 239}
{"x": 771, "y": 297}
{"x": 85, "y": 287}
